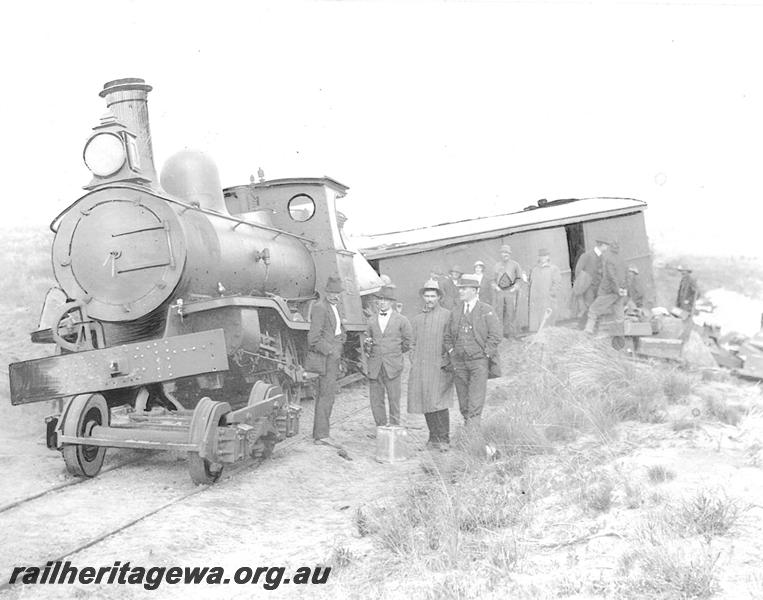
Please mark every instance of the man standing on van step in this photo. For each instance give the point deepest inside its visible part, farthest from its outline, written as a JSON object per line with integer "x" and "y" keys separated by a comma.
{"x": 388, "y": 337}
{"x": 508, "y": 275}
{"x": 430, "y": 383}
{"x": 612, "y": 289}
{"x": 471, "y": 339}
{"x": 325, "y": 341}
{"x": 588, "y": 272}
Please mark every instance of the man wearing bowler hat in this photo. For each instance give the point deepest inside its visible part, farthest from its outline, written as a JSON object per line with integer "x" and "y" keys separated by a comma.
{"x": 471, "y": 339}
{"x": 388, "y": 337}
{"x": 506, "y": 281}
{"x": 325, "y": 341}
{"x": 545, "y": 286}
{"x": 430, "y": 383}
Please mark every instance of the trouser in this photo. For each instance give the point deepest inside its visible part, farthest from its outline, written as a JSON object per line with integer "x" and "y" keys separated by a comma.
{"x": 324, "y": 401}
{"x": 377, "y": 388}
{"x": 505, "y": 305}
{"x": 438, "y": 422}
{"x": 471, "y": 386}
{"x": 605, "y": 304}
{"x": 584, "y": 302}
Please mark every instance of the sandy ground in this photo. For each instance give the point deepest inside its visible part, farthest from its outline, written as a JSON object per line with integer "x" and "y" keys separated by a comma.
{"x": 289, "y": 511}
{"x": 296, "y": 508}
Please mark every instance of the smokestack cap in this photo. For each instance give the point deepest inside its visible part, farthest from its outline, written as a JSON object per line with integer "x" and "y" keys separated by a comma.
{"x": 124, "y": 85}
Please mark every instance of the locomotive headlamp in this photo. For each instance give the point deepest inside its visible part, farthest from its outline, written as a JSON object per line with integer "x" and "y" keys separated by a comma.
{"x": 104, "y": 154}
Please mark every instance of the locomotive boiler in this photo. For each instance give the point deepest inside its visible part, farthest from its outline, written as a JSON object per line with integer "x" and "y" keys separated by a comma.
{"x": 181, "y": 311}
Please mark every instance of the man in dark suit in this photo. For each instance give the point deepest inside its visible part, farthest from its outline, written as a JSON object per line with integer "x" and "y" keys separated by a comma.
{"x": 588, "y": 273}
{"x": 610, "y": 297}
{"x": 388, "y": 337}
{"x": 471, "y": 339}
{"x": 325, "y": 341}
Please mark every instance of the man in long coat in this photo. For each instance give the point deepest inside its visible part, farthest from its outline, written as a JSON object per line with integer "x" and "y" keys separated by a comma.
{"x": 471, "y": 339}
{"x": 430, "y": 383}
{"x": 588, "y": 271}
{"x": 687, "y": 291}
{"x": 388, "y": 337}
{"x": 506, "y": 281}
{"x": 545, "y": 284}
{"x": 612, "y": 291}
{"x": 325, "y": 341}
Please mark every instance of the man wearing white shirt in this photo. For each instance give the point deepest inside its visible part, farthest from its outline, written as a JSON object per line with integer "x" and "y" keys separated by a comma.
{"x": 388, "y": 337}
{"x": 471, "y": 340}
{"x": 325, "y": 341}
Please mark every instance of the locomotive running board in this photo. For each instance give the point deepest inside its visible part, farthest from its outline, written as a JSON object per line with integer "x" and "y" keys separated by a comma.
{"x": 125, "y": 366}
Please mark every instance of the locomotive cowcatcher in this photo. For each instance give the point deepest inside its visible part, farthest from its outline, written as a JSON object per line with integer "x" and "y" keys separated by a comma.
{"x": 181, "y": 311}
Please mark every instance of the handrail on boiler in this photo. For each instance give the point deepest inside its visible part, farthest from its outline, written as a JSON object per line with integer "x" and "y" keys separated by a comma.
{"x": 54, "y": 223}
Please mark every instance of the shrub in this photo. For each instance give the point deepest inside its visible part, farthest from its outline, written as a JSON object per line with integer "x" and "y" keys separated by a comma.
{"x": 660, "y": 474}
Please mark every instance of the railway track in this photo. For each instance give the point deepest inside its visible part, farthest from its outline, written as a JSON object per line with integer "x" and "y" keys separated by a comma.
{"x": 164, "y": 484}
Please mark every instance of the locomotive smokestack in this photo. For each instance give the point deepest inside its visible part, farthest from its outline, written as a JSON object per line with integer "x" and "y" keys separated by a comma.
{"x": 127, "y": 100}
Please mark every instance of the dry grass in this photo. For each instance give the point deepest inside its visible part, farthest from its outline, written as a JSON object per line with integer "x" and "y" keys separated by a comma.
{"x": 678, "y": 385}
{"x": 567, "y": 384}
{"x": 660, "y": 474}
{"x": 659, "y": 569}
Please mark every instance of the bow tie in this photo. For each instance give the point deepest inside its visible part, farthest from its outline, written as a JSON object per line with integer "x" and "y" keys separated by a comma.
{"x": 383, "y": 314}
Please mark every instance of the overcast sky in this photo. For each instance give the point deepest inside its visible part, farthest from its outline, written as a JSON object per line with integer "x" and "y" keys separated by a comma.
{"x": 429, "y": 111}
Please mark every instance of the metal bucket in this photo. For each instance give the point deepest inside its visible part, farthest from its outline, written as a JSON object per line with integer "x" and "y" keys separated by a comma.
{"x": 391, "y": 444}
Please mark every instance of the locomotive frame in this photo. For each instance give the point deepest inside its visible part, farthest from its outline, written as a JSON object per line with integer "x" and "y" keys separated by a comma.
{"x": 182, "y": 314}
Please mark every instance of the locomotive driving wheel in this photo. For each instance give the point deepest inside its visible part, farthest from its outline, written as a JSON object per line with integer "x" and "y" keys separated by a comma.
{"x": 83, "y": 414}
{"x": 202, "y": 470}
{"x": 206, "y": 417}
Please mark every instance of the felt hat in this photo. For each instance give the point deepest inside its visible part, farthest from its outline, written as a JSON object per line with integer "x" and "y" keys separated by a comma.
{"x": 479, "y": 263}
{"x": 431, "y": 285}
{"x": 387, "y": 292}
{"x": 468, "y": 281}
{"x": 543, "y": 252}
{"x": 505, "y": 248}
{"x": 456, "y": 269}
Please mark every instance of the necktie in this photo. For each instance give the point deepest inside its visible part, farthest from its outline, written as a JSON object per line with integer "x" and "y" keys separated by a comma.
{"x": 382, "y": 314}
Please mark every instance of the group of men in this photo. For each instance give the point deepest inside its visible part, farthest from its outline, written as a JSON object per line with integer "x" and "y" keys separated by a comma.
{"x": 502, "y": 289}
{"x": 604, "y": 285}
{"x": 447, "y": 348}
{"x": 453, "y": 341}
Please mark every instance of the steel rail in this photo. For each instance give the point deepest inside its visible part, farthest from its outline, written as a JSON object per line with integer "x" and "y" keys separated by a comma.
{"x": 233, "y": 470}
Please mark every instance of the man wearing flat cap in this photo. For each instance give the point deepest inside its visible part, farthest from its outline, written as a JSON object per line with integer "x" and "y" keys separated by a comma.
{"x": 388, "y": 337}
{"x": 325, "y": 341}
{"x": 610, "y": 297}
{"x": 430, "y": 382}
{"x": 588, "y": 273}
{"x": 688, "y": 291}
{"x": 471, "y": 340}
{"x": 506, "y": 280}
{"x": 545, "y": 285}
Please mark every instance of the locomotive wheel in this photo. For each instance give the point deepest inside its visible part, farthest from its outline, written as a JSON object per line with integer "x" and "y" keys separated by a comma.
{"x": 206, "y": 417}
{"x": 202, "y": 470}
{"x": 82, "y": 414}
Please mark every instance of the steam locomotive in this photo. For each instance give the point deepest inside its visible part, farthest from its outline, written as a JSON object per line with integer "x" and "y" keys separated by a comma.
{"x": 182, "y": 309}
